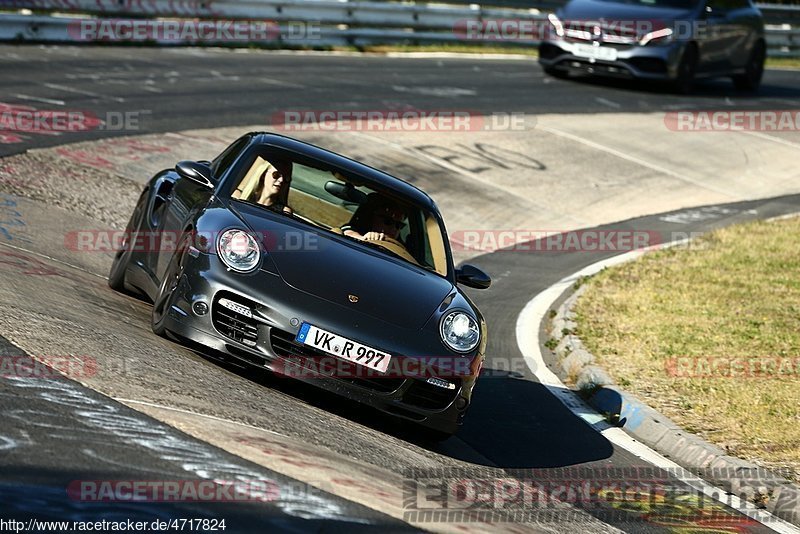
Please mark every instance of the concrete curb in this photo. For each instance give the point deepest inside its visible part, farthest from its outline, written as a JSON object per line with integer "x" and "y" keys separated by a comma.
{"x": 766, "y": 488}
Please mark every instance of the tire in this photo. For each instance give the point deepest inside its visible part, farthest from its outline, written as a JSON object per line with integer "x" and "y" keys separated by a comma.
{"x": 556, "y": 73}
{"x": 119, "y": 267}
{"x": 687, "y": 68}
{"x": 754, "y": 70}
{"x": 166, "y": 292}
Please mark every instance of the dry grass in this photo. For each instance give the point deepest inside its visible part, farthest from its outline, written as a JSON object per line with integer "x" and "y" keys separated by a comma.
{"x": 734, "y": 296}
{"x": 456, "y": 49}
{"x": 783, "y": 62}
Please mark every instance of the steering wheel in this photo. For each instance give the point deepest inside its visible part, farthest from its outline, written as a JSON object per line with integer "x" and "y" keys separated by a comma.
{"x": 393, "y": 245}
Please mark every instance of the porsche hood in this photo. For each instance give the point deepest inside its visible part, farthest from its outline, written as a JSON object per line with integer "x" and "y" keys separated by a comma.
{"x": 337, "y": 270}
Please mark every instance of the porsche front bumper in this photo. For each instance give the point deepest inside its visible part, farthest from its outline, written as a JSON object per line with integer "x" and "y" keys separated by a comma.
{"x": 265, "y": 339}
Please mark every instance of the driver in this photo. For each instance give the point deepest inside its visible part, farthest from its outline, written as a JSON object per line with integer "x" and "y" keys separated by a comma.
{"x": 377, "y": 219}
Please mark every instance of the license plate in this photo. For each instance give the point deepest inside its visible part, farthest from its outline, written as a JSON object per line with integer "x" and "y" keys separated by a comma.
{"x": 342, "y": 347}
{"x": 603, "y": 53}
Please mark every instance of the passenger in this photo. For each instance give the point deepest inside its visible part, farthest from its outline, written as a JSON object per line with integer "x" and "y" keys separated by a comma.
{"x": 272, "y": 190}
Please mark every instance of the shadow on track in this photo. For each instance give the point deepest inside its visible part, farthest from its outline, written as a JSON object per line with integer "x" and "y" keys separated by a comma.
{"x": 498, "y": 426}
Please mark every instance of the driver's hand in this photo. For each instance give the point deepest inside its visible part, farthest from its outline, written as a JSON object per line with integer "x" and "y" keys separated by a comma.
{"x": 373, "y": 236}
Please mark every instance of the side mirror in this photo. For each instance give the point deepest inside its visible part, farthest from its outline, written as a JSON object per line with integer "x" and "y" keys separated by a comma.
{"x": 197, "y": 172}
{"x": 471, "y": 276}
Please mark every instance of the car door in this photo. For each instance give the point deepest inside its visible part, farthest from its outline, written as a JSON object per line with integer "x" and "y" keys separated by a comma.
{"x": 183, "y": 202}
{"x": 746, "y": 23}
{"x": 715, "y": 36}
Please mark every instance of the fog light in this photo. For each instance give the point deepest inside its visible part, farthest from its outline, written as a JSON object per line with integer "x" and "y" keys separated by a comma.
{"x": 461, "y": 403}
{"x": 238, "y": 308}
{"x": 438, "y": 382}
{"x": 200, "y": 308}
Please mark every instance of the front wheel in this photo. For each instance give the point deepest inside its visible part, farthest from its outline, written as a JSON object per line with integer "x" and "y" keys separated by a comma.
{"x": 556, "y": 73}
{"x": 119, "y": 267}
{"x": 166, "y": 292}
{"x": 684, "y": 82}
{"x": 754, "y": 70}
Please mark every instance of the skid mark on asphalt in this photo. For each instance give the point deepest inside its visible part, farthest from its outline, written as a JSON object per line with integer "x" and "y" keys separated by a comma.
{"x": 93, "y": 415}
{"x": 351, "y": 479}
{"x": 447, "y": 164}
{"x": 634, "y": 159}
{"x": 24, "y": 259}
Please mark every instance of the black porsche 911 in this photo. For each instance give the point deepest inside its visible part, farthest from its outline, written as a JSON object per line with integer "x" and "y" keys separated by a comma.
{"x": 293, "y": 258}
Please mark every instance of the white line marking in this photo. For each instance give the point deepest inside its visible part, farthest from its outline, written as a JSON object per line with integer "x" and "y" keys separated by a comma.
{"x": 54, "y": 259}
{"x": 280, "y": 83}
{"x": 774, "y": 139}
{"x": 40, "y": 99}
{"x": 444, "y": 92}
{"x": 188, "y": 412}
{"x": 527, "y": 332}
{"x": 67, "y": 89}
{"x": 607, "y": 102}
{"x": 782, "y": 100}
{"x": 634, "y": 159}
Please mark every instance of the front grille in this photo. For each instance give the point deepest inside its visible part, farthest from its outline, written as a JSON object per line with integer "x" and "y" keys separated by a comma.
{"x": 233, "y": 323}
{"x": 582, "y": 32}
{"x": 285, "y": 346}
{"x": 429, "y": 396}
{"x": 596, "y": 68}
{"x": 649, "y": 64}
{"x": 549, "y": 51}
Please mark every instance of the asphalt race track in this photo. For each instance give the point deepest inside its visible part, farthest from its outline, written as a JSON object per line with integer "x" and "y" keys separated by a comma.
{"x": 53, "y": 300}
{"x": 181, "y": 89}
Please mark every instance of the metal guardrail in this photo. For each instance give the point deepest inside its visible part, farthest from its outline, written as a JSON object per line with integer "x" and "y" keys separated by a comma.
{"x": 355, "y": 23}
{"x": 324, "y": 12}
{"x": 37, "y": 28}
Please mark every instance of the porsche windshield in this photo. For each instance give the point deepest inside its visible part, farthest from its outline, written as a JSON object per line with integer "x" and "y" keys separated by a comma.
{"x": 329, "y": 200}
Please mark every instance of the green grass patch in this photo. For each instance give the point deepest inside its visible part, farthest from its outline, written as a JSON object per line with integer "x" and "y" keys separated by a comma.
{"x": 455, "y": 49}
{"x": 783, "y": 62}
{"x": 720, "y": 310}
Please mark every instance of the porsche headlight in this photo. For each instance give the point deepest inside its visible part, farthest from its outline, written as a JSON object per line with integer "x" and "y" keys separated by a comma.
{"x": 460, "y": 331}
{"x": 238, "y": 250}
